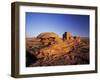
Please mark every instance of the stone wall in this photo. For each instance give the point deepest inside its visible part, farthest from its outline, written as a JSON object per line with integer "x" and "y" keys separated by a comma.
{"x": 68, "y": 37}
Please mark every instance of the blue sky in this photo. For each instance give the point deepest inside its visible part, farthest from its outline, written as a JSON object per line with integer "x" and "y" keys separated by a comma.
{"x": 37, "y": 23}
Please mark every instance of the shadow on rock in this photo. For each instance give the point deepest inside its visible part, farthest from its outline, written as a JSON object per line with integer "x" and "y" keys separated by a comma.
{"x": 30, "y": 58}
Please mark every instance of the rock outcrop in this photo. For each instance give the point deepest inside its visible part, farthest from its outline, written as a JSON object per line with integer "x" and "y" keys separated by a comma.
{"x": 48, "y": 38}
{"x": 51, "y": 50}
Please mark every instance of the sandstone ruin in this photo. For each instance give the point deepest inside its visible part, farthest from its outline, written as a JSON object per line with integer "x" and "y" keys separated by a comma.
{"x": 68, "y": 37}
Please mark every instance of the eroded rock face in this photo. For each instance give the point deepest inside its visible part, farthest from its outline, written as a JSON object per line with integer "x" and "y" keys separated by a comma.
{"x": 51, "y": 50}
{"x": 48, "y": 38}
{"x": 47, "y": 35}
